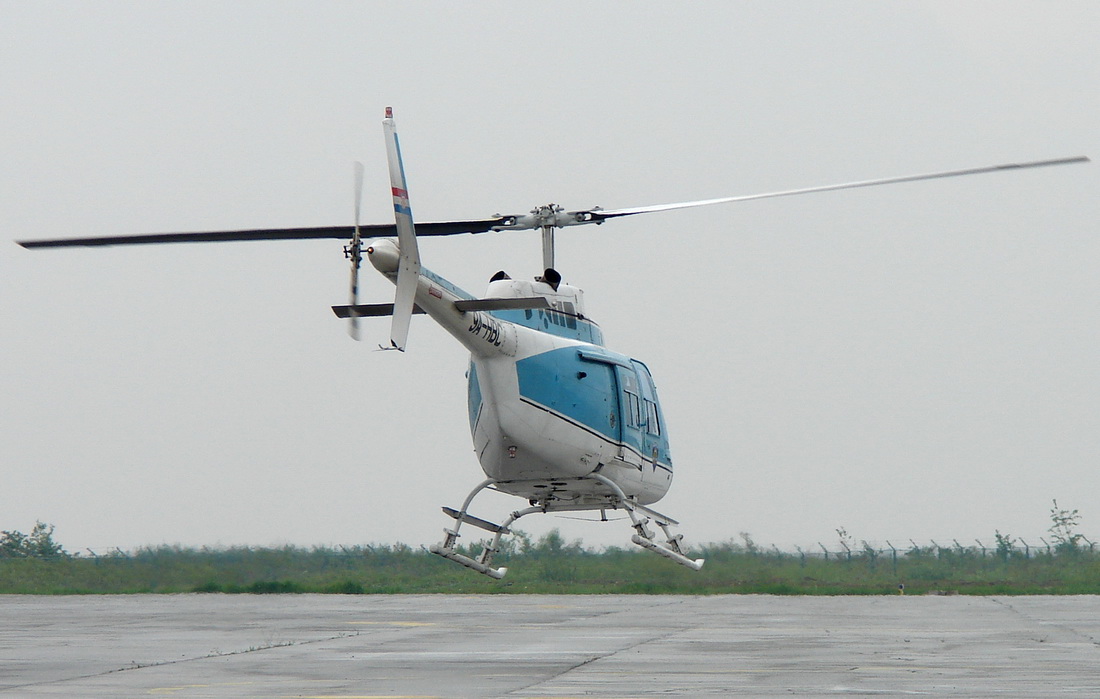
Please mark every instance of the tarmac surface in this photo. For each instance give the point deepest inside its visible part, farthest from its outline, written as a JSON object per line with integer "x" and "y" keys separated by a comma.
{"x": 329, "y": 646}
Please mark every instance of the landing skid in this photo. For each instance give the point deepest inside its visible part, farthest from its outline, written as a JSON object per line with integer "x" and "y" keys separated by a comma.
{"x": 640, "y": 516}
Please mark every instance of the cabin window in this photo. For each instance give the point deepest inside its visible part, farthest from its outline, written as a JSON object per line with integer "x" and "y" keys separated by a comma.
{"x": 633, "y": 410}
{"x": 654, "y": 424}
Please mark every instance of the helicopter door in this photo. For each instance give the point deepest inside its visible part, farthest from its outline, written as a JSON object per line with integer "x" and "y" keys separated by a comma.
{"x": 654, "y": 442}
{"x": 631, "y": 412}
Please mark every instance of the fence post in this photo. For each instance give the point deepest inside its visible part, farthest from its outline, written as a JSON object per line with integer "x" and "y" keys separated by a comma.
{"x": 824, "y": 549}
{"x": 894, "y": 558}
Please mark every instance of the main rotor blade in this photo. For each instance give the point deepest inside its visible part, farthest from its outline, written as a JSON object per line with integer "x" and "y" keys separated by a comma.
{"x": 376, "y": 230}
{"x": 535, "y": 219}
{"x": 600, "y": 215}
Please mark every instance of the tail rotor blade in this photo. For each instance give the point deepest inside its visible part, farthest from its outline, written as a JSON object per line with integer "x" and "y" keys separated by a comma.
{"x": 356, "y": 254}
{"x": 358, "y": 193}
{"x": 408, "y": 271}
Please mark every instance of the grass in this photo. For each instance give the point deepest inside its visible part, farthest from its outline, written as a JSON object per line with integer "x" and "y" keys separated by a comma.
{"x": 548, "y": 567}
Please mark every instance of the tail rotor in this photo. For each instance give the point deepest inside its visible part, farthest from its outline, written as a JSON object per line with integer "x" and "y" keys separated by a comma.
{"x": 408, "y": 263}
{"x": 354, "y": 252}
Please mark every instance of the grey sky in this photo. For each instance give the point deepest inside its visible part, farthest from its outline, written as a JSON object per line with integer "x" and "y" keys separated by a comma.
{"x": 911, "y": 361}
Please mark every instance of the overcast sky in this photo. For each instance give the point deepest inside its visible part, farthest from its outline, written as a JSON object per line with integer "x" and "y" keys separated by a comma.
{"x": 914, "y": 361}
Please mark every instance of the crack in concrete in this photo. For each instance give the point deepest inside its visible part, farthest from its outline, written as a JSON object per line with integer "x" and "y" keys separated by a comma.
{"x": 601, "y": 656}
{"x": 1062, "y": 627}
{"x": 162, "y": 663}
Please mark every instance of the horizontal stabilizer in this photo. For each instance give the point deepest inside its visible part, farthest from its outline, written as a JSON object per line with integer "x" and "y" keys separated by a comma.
{"x": 501, "y": 304}
{"x": 476, "y": 521}
{"x": 366, "y": 310}
{"x": 386, "y": 309}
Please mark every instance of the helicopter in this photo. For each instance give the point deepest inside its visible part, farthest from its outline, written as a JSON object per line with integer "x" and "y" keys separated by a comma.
{"x": 556, "y": 417}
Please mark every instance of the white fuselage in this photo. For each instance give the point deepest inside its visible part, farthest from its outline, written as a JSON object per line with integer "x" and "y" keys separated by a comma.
{"x": 547, "y": 410}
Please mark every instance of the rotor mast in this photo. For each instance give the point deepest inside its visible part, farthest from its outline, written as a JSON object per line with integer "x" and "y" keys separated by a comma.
{"x": 546, "y": 218}
{"x": 548, "y": 245}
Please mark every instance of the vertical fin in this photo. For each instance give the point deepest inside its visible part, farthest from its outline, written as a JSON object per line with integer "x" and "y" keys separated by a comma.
{"x": 408, "y": 271}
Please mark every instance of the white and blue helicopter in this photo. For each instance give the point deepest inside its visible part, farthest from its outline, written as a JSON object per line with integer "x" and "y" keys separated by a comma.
{"x": 556, "y": 417}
